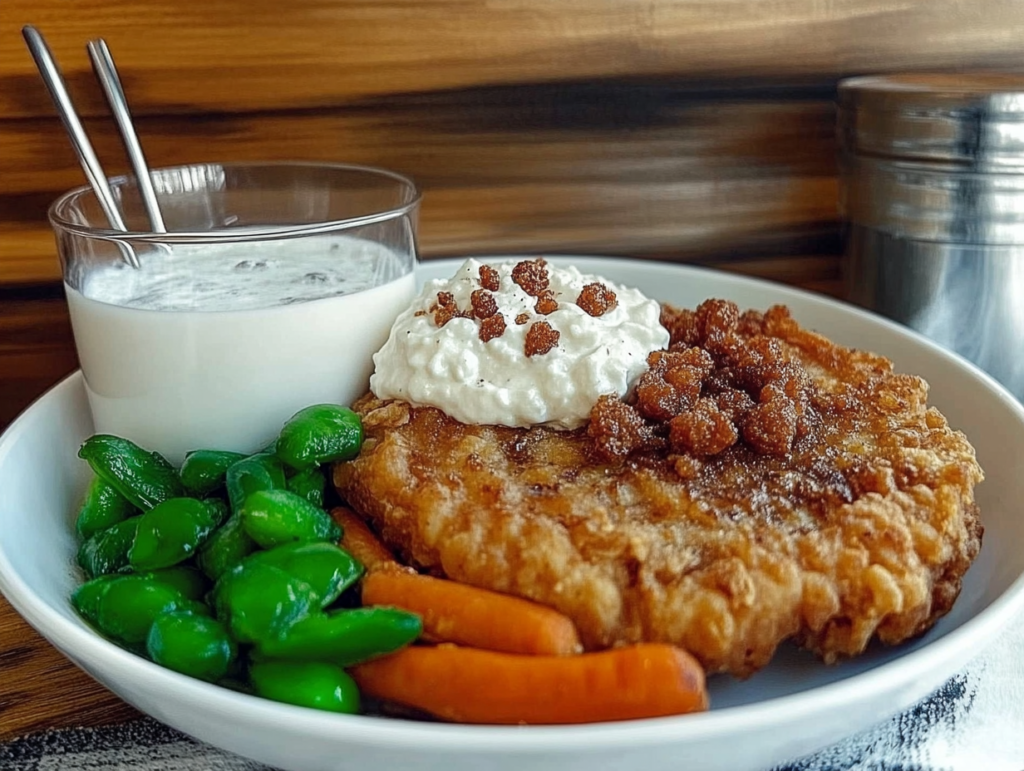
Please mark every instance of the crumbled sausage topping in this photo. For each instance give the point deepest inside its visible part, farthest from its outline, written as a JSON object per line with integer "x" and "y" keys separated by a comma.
{"x": 686, "y": 466}
{"x": 489, "y": 278}
{"x": 546, "y": 303}
{"x": 618, "y": 428}
{"x": 770, "y": 427}
{"x": 485, "y": 308}
{"x": 492, "y": 327}
{"x": 540, "y": 338}
{"x": 532, "y": 276}
{"x": 672, "y": 383}
{"x": 702, "y": 430}
{"x": 484, "y": 304}
{"x": 445, "y": 309}
{"x": 723, "y": 381}
{"x": 596, "y": 299}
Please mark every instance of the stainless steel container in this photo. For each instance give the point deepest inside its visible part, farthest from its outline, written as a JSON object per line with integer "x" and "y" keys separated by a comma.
{"x": 933, "y": 202}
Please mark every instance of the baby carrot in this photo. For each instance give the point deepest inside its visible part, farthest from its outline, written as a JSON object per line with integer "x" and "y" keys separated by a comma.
{"x": 468, "y": 615}
{"x": 361, "y": 543}
{"x": 468, "y": 685}
{"x": 451, "y": 611}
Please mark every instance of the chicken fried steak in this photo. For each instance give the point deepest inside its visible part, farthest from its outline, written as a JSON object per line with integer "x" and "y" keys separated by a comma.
{"x": 760, "y": 484}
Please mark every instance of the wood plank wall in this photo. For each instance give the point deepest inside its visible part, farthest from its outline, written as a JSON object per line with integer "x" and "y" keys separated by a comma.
{"x": 692, "y": 130}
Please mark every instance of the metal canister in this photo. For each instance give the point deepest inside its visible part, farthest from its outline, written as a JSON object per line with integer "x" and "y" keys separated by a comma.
{"x": 932, "y": 198}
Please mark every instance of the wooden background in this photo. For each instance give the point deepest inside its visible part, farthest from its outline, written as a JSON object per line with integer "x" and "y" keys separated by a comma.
{"x": 698, "y": 130}
{"x": 692, "y": 130}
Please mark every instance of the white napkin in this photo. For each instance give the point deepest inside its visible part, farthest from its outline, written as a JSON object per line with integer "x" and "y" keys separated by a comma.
{"x": 974, "y": 722}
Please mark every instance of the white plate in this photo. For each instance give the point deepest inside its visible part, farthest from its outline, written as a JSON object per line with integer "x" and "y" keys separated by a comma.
{"x": 792, "y": 708}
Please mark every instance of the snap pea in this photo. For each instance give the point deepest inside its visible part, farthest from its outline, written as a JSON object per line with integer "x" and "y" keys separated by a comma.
{"x": 320, "y": 434}
{"x": 144, "y": 478}
{"x": 228, "y": 546}
{"x": 102, "y": 507}
{"x": 320, "y": 686}
{"x": 253, "y": 474}
{"x": 327, "y": 568}
{"x": 203, "y": 470}
{"x": 190, "y": 582}
{"x": 191, "y": 644}
{"x": 344, "y": 638}
{"x": 260, "y": 601}
{"x": 170, "y": 532}
{"x": 107, "y": 551}
{"x": 129, "y": 604}
{"x": 309, "y": 484}
{"x": 86, "y": 598}
{"x": 272, "y": 600}
{"x": 275, "y": 517}
{"x": 220, "y": 509}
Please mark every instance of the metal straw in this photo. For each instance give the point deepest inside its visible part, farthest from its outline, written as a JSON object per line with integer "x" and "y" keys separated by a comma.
{"x": 54, "y": 82}
{"x": 106, "y": 73}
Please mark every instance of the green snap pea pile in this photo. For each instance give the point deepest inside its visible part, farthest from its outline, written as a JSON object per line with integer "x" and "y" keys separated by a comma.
{"x": 228, "y": 569}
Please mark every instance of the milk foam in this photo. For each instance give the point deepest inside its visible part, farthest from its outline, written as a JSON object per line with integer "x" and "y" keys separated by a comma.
{"x": 244, "y": 276}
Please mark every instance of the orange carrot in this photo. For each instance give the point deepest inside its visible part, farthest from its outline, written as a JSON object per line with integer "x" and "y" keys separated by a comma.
{"x": 459, "y": 613}
{"x": 454, "y": 612}
{"x": 469, "y": 685}
{"x": 361, "y": 543}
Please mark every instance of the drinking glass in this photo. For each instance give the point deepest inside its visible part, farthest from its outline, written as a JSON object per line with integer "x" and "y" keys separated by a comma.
{"x": 271, "y": 291}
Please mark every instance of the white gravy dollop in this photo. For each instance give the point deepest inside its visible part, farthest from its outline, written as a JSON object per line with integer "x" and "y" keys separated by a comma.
{"x": 495, "y": 382}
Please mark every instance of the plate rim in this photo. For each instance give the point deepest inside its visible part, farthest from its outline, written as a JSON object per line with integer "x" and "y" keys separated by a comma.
{"x": 960, "y": 644}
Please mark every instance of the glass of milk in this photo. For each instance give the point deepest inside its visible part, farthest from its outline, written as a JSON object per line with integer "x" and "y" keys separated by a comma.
{"x": 271, "y": 291}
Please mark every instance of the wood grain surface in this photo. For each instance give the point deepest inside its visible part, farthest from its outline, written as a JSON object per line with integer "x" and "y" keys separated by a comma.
{"x": 40, "y": 689}
{"x": 675, "y": 128}
{"x": 687, "y": 130}
{"x": 315, "y": 53}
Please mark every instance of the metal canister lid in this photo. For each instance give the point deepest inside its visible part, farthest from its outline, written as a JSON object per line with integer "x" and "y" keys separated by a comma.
{"x": 970, "y": 119}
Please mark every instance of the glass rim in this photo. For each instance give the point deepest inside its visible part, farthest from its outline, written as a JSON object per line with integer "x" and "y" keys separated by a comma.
{"x": 235, "y": 235}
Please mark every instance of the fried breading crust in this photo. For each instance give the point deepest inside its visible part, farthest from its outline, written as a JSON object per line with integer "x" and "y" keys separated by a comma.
{"x": 864, "y": 529}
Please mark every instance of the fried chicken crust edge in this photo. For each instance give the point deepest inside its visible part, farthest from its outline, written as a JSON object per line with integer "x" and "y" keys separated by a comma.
{"x": 632, "y": 553}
